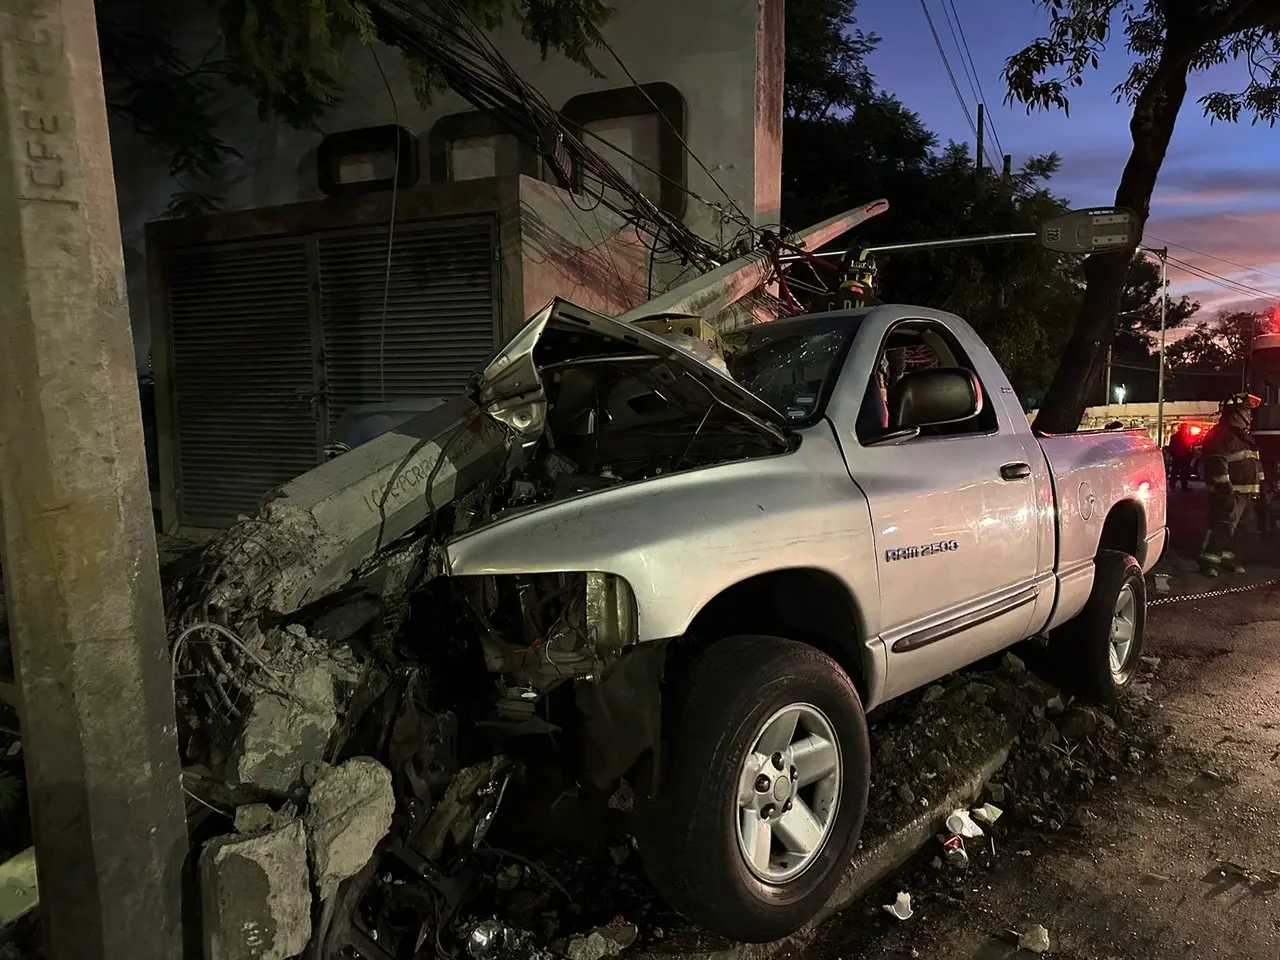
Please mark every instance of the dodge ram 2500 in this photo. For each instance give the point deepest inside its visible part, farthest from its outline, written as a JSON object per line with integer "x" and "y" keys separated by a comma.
{"x": 710, "y": 577}
{"x": 861, "y": 508}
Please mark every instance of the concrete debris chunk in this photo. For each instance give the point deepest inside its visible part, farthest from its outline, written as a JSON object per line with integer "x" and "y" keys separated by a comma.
{"x": 1034, "y": 939}
{"x": 253, "y": 819}
{"x": 1079, "y": 722}
{"x": 348, "y": 812}
{"x": 256, "y": 896}
{"x": 286, "y": 730}
{"x": 987, "y": 813}
{"x": 1013, "y": 664}
{"x": 607, "y": 941}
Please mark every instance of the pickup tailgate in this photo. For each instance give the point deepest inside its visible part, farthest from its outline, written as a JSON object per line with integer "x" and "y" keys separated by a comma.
{"x": 1103, "y": 476}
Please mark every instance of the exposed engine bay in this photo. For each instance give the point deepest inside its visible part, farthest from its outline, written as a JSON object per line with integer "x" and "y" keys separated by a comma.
{"x": 616, "y": 407}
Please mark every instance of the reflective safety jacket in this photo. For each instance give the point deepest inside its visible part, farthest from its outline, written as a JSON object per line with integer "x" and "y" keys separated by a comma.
{"x": 1231, "y": 462}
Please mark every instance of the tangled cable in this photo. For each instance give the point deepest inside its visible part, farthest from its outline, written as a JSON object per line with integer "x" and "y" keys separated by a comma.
{"x": 444, "y": 37}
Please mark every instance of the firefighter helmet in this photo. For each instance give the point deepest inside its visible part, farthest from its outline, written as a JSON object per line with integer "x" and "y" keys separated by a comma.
{"x": 1240, "y": 401}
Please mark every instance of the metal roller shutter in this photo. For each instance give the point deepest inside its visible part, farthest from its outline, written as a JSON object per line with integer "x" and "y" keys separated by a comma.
{"x": 243, "y": 374}
{"x": 441, "y": 312}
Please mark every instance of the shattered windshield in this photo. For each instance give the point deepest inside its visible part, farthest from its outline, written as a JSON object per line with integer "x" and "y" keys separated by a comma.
{"x": 792, "y": 364}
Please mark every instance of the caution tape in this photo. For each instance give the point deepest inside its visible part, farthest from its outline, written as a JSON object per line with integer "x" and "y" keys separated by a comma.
{"x": 1210, "y": 594}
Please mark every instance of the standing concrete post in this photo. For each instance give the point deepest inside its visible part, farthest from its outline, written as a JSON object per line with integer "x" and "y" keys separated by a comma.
{"x": 78, "y": 548}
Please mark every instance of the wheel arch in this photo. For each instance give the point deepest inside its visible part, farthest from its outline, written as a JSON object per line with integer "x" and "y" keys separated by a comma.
{"x": 1125, "y": 530}
{"x": 806, "y": 604}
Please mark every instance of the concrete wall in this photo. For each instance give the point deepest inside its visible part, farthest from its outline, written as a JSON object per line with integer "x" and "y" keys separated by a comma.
{"x": 588, "y": 256}
{"x": 724, "y": 56}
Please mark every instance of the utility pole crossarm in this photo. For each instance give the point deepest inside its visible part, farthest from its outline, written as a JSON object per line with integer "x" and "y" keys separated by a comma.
{"x": 724, "y": 286}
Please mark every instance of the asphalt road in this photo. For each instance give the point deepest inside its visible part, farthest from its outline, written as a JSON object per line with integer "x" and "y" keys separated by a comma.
{"x": 1173, "y": 860}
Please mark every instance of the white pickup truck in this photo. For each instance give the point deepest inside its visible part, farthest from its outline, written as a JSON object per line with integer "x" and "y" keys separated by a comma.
{"x": 706, "y": 578}
{"x": 859, "y": 509}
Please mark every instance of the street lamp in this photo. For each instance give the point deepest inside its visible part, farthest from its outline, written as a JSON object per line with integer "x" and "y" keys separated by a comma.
{"x": 1120, "y": 392}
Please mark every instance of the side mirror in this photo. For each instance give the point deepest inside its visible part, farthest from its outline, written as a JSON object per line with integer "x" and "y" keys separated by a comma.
{"x": 929, "y": 398}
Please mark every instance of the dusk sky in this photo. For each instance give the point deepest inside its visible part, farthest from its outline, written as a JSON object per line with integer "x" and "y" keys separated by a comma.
{"x": 1219, "y": 191}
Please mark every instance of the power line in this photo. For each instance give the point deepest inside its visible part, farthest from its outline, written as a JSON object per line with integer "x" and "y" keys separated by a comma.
{"x": 1225, "y": 282}
{"x": 1235, "y": 286}
{"x": 964, "y": 64}
{"x": 599, "y": 37}
{"x": 1210, "y": 256}
{"x": 980, "y": 95}
{"x": 946, "y": 62}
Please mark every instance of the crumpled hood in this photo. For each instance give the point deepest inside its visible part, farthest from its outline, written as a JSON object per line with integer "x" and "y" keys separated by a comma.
{"x": 511, "y": 385}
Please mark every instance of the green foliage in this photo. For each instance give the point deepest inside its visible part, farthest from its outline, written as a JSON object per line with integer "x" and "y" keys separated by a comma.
{"x": 867, "y": 144}
{"x": 288, "y": 54}
{"x": 1165, "y": 39}
{"x": 1139, "y": 321}
{"x": 168, "y": 101}
{"x": 825, "y": 58}
{"x": 1219, "y": 345}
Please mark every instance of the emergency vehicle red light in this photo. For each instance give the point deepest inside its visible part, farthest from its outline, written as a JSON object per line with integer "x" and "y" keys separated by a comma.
{"x": 1194, "y": 431}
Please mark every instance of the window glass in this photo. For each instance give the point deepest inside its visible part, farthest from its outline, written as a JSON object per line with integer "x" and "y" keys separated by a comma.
{"x": 909, "y": 347}
{"x": 792, "y": 365}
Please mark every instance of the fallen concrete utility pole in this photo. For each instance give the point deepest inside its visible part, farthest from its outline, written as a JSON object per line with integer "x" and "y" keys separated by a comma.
{"x": 76, "y": 537}
{"x": 317, "y": 529}
{"x": 708, "y": 294}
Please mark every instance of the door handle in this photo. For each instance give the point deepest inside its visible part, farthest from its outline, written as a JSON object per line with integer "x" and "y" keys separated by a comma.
{"x": 1015, "y": 471}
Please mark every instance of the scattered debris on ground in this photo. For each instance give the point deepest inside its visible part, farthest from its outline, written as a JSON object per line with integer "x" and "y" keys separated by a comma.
{"x": 900, "y": 908}
{"x": 1064, "y": 754}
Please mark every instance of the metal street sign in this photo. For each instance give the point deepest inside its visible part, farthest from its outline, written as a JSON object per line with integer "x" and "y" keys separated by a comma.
{"x": 1095, "y": 230}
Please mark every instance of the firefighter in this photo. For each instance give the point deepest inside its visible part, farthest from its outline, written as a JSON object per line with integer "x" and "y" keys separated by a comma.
{"x": 1181, "y": 452}
{"x": 1233, "y": 472}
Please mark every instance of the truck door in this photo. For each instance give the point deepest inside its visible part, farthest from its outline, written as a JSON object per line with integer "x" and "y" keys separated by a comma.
{"x": 953, "y": 510}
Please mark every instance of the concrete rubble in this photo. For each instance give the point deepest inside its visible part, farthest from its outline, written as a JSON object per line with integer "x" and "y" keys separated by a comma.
{"x": 292, "y": 717}
{"x": 348, "y": 813}
{"x": 256, "y": 895}
{"x": 606, "y": 941}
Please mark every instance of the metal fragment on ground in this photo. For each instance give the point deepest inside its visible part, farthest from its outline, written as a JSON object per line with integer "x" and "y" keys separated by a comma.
{"x": 487, "y": 939}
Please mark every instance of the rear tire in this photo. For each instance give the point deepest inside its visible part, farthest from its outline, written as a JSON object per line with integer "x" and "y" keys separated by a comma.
{"x": 1096, "y": 655}
{"x": 746, "y": 859}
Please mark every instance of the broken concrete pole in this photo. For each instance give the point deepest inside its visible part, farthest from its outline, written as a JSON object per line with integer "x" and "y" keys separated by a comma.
{"x": 348, "y": 813}
{"x": 316, "y": 530}
{"x": 286, "y": 730}
{"x": 256, "y": 896}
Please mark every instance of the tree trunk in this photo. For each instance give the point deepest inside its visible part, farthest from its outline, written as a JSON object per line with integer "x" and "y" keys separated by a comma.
{"x": 1154, "y": 116}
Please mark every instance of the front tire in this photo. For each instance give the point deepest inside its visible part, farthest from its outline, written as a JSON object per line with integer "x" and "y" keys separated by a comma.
{"x": 764, "y": 800}
{"x": 1096, "y": 655}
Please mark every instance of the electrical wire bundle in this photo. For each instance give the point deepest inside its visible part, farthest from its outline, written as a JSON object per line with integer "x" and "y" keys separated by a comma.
{"x": 444, "y": 37}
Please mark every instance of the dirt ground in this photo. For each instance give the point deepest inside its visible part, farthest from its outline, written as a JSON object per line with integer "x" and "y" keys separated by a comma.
{"x": 1160, "y": 838}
